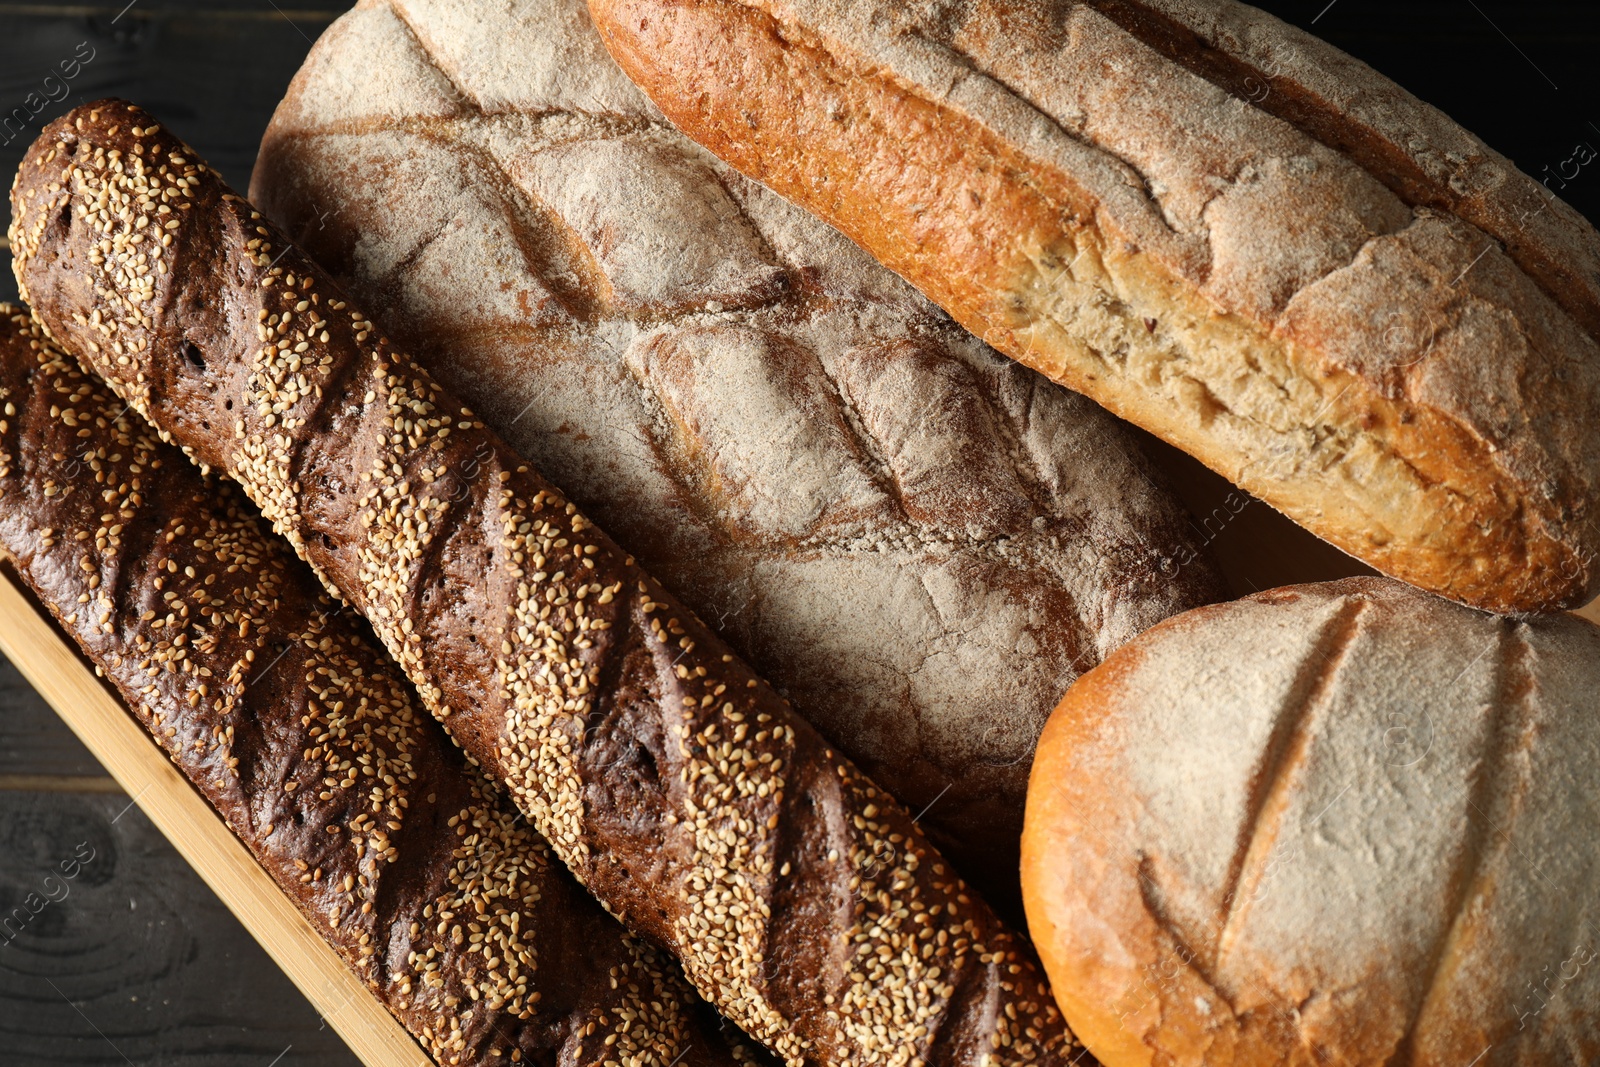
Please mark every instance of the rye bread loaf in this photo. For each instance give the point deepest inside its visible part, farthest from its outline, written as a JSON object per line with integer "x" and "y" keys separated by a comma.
{"x": 1346, "y": 823}
{"x": 285, "y": 714}
{"x": 682, "y": 790}
{"x": 916, "y": 541}
{"x": 1259, "y": 250}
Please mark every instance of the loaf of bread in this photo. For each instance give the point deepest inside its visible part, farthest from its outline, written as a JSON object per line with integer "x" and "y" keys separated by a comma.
{"x": 285, "y": 714}
{"x": 1347, "y": 823}
{"x": 1223, "y": 231}
{"x": 681, "y": 789}
{"x": 869, "y": 505}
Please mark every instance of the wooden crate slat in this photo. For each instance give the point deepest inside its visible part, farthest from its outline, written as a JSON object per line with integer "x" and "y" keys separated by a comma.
{"x": 116, "y": 739}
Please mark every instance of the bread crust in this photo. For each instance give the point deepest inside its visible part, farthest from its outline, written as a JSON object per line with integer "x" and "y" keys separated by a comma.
{"x": 276, "y": 703}
{"x": 1325, "y": 824}
{"x": 680, "y": 788}
{"x": 870, "y": 506}
{"x": 1414, "y": 149}
{"x": 1378, "y": 370}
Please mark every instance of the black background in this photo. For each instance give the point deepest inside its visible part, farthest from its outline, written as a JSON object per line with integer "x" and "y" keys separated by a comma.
{"x": 1522, "y": 75}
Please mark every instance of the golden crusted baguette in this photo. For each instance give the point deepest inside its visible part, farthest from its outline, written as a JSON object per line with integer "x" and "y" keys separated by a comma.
{"x": 678, "y": 786}
{"x": 1329, "y": 294}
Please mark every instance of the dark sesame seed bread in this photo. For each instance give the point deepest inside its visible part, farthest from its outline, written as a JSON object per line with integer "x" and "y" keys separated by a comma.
{"x": 281, "y": 709}
{"x": 870, "y": 505}
{"x": 682, "y": 790}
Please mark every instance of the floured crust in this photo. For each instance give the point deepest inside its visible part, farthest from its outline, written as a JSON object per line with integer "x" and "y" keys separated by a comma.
{"x": 1424, "y": 157}
{"x": 1385, "y": 860}
{"x": 920, "y": 542}
{"x": 1379, "y": 369}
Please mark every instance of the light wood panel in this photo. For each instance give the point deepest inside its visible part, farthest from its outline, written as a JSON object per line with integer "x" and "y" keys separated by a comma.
{"x": 117, "y": 740}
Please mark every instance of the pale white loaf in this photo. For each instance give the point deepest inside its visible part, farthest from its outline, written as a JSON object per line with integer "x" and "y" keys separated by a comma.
{"x": 921, "y": 543}
{"x": 1347, "y": 823}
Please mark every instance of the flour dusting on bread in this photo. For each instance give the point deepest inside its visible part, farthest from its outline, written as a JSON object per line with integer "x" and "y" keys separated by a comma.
{"x": 866, "y": 501}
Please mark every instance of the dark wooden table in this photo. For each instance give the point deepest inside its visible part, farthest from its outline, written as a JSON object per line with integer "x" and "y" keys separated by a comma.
{"x": 134, "y": 961}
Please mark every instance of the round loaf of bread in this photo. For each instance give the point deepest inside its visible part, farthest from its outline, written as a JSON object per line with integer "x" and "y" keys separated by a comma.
{"x": 1347, "y": 823}
{"x": 921, "y": 543}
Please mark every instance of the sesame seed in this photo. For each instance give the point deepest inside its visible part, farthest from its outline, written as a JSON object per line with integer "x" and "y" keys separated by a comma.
{"x": 912, "y": 931}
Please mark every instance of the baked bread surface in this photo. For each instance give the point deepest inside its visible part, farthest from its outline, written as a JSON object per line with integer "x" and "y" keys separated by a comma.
{"x": 1343, "y": 823}
{"x": 1399, "y": 358}
{"x": 681, "y": 789}
{"x": 919, "y": 542}
{"x": 1414, "y": 149}
{"x": 278, "y": 705}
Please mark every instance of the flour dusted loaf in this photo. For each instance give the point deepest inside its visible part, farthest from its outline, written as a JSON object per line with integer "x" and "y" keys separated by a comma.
{"x": 918, "y": 542}
{"x": 1218, "y": 227}
{"x": 279, "y": 706}
{"x": 1345, "y": 823}
{"x": 682, "y": 790}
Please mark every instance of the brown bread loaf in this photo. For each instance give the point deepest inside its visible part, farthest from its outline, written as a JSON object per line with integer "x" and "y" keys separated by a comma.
{"x": 1343, "y": 823}
{"x": 1252, "y": 246}
{"x": 280, "y": 707}
{"x": 868, "y": 504}
{"x": 682, "y": 790}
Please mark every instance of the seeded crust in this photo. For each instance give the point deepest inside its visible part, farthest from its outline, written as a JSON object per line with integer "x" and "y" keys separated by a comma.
{"x": 1387, "y": 862}
{"x": 871, "y": 506}
{"x": 285, "y": 714}
{"x": 1350, "y": 345}
{"x": 679, "y": 787}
